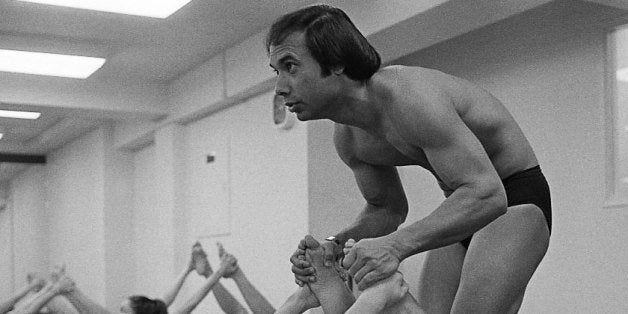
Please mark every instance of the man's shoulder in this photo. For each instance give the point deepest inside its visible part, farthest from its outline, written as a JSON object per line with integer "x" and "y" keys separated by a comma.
{"x": 344, "y": 141}
{"x": 403, "y": 72}
{"x": 398, "y": 82}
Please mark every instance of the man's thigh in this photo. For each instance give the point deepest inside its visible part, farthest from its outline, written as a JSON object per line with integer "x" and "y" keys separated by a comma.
{"x": 439, "y": 278}
{"x": 500, "y": 261}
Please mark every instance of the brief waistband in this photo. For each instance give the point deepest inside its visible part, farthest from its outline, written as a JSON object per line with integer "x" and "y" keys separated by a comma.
{"x": 524, "y": 173}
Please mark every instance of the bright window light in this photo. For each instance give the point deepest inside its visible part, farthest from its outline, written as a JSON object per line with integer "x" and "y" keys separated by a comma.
{"x": 151, "y": 8}
{"x": 1, "y": 135}
{"x": 31, "y": 115}
{"x": 48, "y": 64}
{"x": 622, "y": 74}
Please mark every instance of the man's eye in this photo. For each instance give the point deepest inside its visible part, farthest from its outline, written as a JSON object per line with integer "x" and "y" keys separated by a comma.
{"x": 289, "y": 66}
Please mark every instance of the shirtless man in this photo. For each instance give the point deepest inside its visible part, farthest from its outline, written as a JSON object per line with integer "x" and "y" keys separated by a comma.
{"x": 493, "y": 228}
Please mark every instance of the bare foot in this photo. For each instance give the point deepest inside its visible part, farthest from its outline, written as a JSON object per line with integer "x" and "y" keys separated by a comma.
{"x": 221, "y": 249}
{"x": 199, "y": 259}
{"x": 329, "y": 287}
{"x": 63, "y": 284}
{"x": 314, "y": 255}
{"x": 57, "y": 272}
{"x": 36, "y": 281}
{"x": 229, "y": 265}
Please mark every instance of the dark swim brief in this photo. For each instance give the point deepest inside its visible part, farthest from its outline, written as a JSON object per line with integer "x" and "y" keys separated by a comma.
{"x": 527, "y": 187}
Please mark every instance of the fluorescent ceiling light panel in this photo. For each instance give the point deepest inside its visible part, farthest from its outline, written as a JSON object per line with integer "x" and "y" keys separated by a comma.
{"x": 622, "y": 74}
{"x": 48, "y": 64}
{"x": 151, "y": 8}
{"x": 31, "y": 115}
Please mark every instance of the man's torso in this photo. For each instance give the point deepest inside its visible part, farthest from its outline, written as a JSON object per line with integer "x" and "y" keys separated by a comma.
{"x": 482, "y": 113}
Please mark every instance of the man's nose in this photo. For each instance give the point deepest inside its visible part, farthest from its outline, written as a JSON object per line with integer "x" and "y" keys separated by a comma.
{"x": 281, "y": 87}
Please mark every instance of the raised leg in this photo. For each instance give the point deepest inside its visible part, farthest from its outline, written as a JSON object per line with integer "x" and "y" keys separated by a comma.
{"x": 330, "y": 289}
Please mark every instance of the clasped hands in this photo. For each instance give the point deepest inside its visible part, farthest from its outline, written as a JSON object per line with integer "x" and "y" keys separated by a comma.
{"x": 367, "y": 261}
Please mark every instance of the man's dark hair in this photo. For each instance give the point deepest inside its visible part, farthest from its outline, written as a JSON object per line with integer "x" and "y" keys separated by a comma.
{"x": 331, "y": 38}
{"x": 143, "y": 305}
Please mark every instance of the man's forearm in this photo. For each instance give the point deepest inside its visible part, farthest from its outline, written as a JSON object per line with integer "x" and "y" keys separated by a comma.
{"x": 371, "y": 223}
{"x": 463, "y": 213}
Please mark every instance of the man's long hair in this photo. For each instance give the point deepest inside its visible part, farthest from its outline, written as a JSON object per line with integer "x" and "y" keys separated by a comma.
{"x": 331, "y": 38}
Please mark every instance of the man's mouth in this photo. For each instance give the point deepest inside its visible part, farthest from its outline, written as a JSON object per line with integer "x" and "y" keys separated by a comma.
{"x": 291, "y": 105}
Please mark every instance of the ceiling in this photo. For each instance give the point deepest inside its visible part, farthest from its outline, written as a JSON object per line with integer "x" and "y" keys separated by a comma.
{"x": 137, "y": 49}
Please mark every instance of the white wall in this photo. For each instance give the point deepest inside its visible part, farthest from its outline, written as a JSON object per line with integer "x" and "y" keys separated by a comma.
{"x": 25, "y": 224}
{"x": 74, "y": 203}
{"x": 6, "y": 260}
{"x": 334, "y": 198}
{"x": 151, "y": 228}
{"x": 256, "y": 189}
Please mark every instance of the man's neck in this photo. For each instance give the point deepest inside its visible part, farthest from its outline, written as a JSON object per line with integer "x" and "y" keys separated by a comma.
{"x": 357, "y": 107}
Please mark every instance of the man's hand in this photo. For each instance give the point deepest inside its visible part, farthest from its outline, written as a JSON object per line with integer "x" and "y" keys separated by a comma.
{"x": 303, "y": 270}
{"x": 371, "y": 260}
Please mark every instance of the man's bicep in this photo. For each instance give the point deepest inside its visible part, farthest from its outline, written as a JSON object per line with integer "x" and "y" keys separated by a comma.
{"x": 458, "y": 158}
{"x": 380, "y": 186}
{"x": 455, "y": 154}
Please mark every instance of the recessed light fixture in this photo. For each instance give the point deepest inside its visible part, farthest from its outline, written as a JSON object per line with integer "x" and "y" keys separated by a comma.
{"x": 48, "y": 64}
{"x": 622, "y": 74}
{"x": 151, "y": 8}
{"x": 31, "y": 115}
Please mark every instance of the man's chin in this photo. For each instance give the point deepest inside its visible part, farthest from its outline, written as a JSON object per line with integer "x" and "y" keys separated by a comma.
{"x": 301, "y": 116}
{"x": 304, "y": 116}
